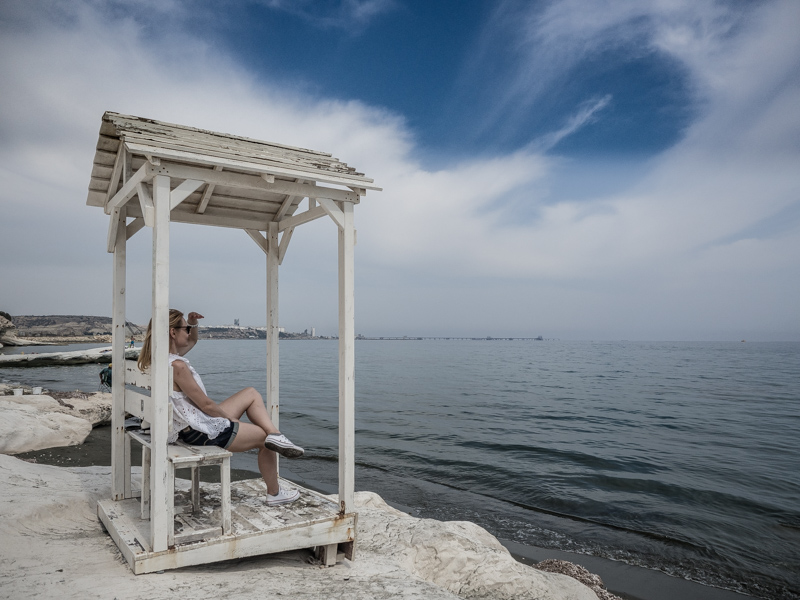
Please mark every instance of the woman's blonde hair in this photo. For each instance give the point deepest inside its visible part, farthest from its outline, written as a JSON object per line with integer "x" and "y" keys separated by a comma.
{"x": 145, "y": 355}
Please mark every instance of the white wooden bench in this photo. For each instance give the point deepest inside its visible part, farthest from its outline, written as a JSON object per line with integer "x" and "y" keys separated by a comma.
{"x": 179, "y": 455}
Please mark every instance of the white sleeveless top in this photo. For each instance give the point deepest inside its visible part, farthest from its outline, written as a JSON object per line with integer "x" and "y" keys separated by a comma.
{"x": 185, "y": 413}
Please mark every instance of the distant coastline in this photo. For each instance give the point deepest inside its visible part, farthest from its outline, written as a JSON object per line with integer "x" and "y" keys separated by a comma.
{"x": 79, "y": 329}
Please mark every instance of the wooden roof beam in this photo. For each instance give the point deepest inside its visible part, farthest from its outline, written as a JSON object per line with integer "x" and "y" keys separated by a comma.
{"x": 230, "y": 179}
{"x": 146, "y": 204}
{"x": 134, "y": 227}
{"x": 183, "y": 191}
{"x": 285, "y": 237}
{"x": 116, "y": 173}
{"x": 300, "y": 218}
{"x": 333, "y": 211}
{"x": 255, "y": 167}
{"x": 201, "y": 208}
{"x": 261, "y": 241}
{"x": 288, "y": 201}
{"x": 145, "y": 173}
{"x": 258, "y": 238}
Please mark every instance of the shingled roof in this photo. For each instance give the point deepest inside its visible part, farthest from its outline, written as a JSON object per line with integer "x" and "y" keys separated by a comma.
{"x": 241, "y": 182}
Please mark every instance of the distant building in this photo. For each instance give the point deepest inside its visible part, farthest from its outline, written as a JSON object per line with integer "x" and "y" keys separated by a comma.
{"x": 313, "y": 332}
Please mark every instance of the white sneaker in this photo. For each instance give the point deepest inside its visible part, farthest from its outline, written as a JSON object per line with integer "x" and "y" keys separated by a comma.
{"x": 283, "y": 496}
{"x": 283, "y": 446}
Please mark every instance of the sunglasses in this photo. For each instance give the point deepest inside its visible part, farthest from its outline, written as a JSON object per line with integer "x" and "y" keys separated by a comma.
{"x": 188, "y": 328}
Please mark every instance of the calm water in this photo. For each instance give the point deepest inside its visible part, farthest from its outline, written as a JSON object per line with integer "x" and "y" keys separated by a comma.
{"x": 684, "y": 457}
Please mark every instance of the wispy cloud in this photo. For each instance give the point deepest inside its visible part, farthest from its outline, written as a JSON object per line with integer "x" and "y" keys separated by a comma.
{"x": 544, "y": 44}
{"x": 584, "y": 115}
{"x": 339, "y": 14}
{"x": 678, "y": 253}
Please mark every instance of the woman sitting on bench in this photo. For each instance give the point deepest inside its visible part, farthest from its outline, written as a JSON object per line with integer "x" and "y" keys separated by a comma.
{"x": 199, "y": 421}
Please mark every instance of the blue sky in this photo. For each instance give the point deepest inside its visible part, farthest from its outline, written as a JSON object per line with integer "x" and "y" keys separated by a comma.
{"x": 601, "y": 170}
{"x": 455, "y": 72}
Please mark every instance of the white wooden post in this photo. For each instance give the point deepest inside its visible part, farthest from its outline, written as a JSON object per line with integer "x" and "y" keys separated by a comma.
{"x": 273, "y": 381}
{"x": 120, "y": 480}
{"x": 160, "y": 519}
{"x": 347, "y": 362}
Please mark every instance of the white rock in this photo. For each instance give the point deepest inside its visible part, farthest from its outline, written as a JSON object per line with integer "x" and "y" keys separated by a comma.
{"x": 54, "y": 547}
{"x": 459, "y": 556}
{"x": 24, "y": 427}
{"x": 95, "y": 408}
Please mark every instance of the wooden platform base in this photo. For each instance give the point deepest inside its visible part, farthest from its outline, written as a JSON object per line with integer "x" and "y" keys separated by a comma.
{"x": 312, "y": 521}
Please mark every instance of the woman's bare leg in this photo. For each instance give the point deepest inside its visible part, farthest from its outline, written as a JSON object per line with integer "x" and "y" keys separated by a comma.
{"x": 252, "y": 436}
{"x": 268, "y": 466}
{"x": 249, "y": 402}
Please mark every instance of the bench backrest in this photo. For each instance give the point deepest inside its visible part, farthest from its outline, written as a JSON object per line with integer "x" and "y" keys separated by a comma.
{"x": 136, "y": 401}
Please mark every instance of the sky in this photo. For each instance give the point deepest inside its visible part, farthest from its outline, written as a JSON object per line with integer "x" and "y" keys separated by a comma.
{"x": 607, "y": 170}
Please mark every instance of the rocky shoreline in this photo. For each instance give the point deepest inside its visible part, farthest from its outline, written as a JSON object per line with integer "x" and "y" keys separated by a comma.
{"x": 397, "y": 554}
{"x": 28, "y": 330}
{"x": 48, "y": 420}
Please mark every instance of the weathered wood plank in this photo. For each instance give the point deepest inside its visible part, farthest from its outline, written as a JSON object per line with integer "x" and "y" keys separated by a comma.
{"x": 129, "y": 188}
{"x": 146, "y": 204}
{"x": 300, "y": 218}
{"x": 248, "y": 165}
{"x": 195, "y": 535}
{"x": 258, "y": 238}
{"x": 334, "y": 212}
{"x": 199, "y": 137}
{"x": 213, "y": 216}
{"x": 134, "y": 227}
{"x": 346, "y": 361}
{"x": 225, "y": 146}
{"x": 119, "y": 477}
{"x": 99, "y": 185}
{"x": 180, "y": 193}
{"x": 133, "y": 376}
{"x": 116, "y": 221}
{"x": 161, "y": 482}
{"x": 267, "y": 204}
{"x": 201, "y": 208}
{"x": 284, "y": 245}
{"x": 145, "y": 497}
{"x": 116, "y": 173}
{"x": 139, "y": 405}
{"x": 107, "y": 143}
{"x": 120, "y": 530}
{"x": 101, "y": 157}
{"x": 102, "y": 173}
{"x": 225, "y": 495}
{"x": 286, "y": 205}
{"x": 262, "y": 206}
{"x": 240, "y": 180}
{"x": 273, "y": 323}
{"x": 96, "y": 198}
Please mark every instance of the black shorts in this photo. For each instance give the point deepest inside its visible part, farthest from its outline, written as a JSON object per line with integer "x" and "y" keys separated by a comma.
{"x": 198, "y": 438}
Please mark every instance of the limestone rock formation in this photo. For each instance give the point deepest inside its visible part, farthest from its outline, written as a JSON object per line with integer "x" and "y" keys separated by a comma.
{"x": 458, "y": 556}
{"x": 8, "y": 332}
{"x": 24, "y": 428}
{"x": 36, "y": 422}
{"x": 73, "y": 357}
{"x": 54, "y": 547}
{"x": 95, "y": 408}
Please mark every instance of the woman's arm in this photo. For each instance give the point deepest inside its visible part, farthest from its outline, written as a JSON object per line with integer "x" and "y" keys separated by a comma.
{"x": 192, "y": 319}
{"x": 184, "y": 382}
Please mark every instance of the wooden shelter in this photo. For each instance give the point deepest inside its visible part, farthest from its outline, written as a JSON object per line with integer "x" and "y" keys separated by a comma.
{"x": 148, "y": 174}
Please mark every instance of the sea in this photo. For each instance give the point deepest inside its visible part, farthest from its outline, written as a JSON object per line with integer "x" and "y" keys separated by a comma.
{"x": 678, "y": 456}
